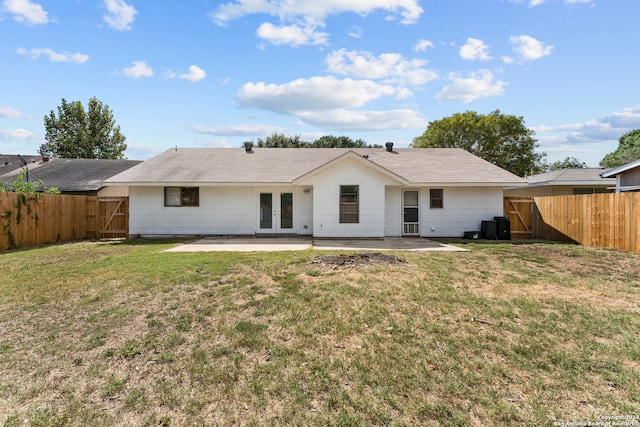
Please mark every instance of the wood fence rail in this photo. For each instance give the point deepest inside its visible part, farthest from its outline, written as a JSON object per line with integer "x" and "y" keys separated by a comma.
{"x": 602, "y": 220}
{"x": 29, "y": 219}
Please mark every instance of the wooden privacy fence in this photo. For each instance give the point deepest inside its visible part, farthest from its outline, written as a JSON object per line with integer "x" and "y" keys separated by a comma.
{"x": 29, "y": 219}
{"x": 109, "y": 217}
{"x": 518, "y": 209}
{"x": 603, "y": 220}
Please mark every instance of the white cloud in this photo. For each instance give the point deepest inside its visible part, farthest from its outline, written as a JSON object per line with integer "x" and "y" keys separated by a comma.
{"x": 529, "y": 48}
{"x": 299, "y": 20}
{"x": 26, "y": 12}
{"x": 475, "y": 49}
{"x": 195, "y": 74}
{"x": 389, "y": 67}
{"x": 351, "y": 120}
{"x": 607, "y": 128}
{"x": 16, "y": 134}
{"x": 422, "y": 45}
{"x": 293, "y": 35}
{"x": 314, "y": 94}
{"x": 138, "y": 70}
{"x": 355, "y": 32}
{"x": 78, "y": 58}
{"x": 629, "y": 118}
{"x": 315, "y": 11}
{"x": 120, "y": 15}
{"x": 239, "y": 130}
{"x": 10, "y": 113}
{"x": 480, "y": 84}
{"x": 534, "y": 3}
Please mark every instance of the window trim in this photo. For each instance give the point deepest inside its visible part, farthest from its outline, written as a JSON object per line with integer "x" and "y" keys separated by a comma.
{"x": 183, "y": 197}
{"x": 436, "y": 198}
{"x": 345, "y": 204}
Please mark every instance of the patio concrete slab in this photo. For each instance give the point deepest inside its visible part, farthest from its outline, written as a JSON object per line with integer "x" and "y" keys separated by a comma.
{"x": 267, "y": 244}
{"x": 388, "y": 244}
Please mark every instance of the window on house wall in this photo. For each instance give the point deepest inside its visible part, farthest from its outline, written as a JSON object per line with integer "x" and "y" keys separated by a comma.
{"x": 436, "y": 196}
{"x": 349, "y": 204}
{"x": 182, "y": 196}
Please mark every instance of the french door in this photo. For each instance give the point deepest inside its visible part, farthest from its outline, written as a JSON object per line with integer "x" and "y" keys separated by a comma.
{"x": 275, "y": 213}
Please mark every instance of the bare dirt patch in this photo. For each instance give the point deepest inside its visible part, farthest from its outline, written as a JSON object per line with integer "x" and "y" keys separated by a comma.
{"x": 337, "y": 261}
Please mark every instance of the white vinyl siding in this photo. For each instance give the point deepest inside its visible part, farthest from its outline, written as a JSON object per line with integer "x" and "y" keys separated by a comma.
{"x": 223, "y": 210}
{"x": 464, "y": 210}
{"x": 393, "y": 212}
{"x": 326, "y": 200}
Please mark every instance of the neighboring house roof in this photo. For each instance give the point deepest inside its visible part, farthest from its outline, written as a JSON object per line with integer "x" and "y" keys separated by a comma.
{"x": 192, "y": 166}
{"x": 67, "y": 175}
{"x": 620, "y": 169}
{"x": 577, "y": 176}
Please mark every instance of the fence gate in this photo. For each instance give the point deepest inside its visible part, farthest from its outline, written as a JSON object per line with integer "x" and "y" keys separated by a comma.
{"x": 113, "y": 214}
{"x": 519, "y": 211}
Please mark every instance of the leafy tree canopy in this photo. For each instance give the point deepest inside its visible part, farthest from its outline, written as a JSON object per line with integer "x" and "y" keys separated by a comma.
{"x": 278, "y": 140}
{"x": 501, "y": 139}
{"x": 78, "y": 133}
{"x": 567, "y": 163}
{"x": 628, "y": 151}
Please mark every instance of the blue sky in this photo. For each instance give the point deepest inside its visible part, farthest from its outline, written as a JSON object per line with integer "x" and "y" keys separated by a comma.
{"x": 203, "y": 73}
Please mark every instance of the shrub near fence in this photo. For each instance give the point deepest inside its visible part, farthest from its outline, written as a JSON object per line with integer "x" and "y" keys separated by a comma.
{"x": 30, "y": 219}
{"x": 602, "y": 220}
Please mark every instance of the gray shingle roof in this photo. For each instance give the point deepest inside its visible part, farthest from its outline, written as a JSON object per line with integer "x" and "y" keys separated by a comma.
{"x": 578, "y": 176}
{"x": 69, "y": 175}
{"x": 284, "y": 165}
{"x": 620, "y": 169}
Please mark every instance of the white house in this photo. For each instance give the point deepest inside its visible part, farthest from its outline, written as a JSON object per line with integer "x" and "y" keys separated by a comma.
{"x": 627, "y": 176}
{"x": 322, "y": 192}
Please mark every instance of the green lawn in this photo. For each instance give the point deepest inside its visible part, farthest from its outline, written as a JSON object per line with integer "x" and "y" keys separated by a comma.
{"x": 102, "y": 334}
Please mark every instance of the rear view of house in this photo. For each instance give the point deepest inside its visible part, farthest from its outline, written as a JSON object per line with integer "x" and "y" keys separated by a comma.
{"x": 332, "y": 192}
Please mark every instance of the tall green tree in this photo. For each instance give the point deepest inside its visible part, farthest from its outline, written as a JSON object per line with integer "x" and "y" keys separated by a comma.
{"x": 330, "y": 141}
{"x": 501, "y": 139}
{"x": 78, "y": 133}
{"x": 279, "y": 140}
{"x": 628, "y": 150}
{"x": 567, "y": 163}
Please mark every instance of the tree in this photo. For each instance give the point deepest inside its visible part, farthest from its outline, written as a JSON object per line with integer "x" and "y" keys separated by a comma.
{"x": 501, "y": 139}
{"x": 279, "y": 140}
{"x": 330, "y": 141}
{"x": 567, "y": 163}
{"x": 628, "y": 150}
{"x": 76, "y": 133}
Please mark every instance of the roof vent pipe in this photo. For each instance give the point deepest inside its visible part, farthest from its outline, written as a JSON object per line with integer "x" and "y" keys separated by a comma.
{"x": 389, "y": 146}
{"x": 248, "y": 146}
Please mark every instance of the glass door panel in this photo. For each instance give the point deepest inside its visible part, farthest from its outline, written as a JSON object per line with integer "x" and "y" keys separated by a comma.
{"x": 286, "y": 210}
{"x": 266, "y": 207}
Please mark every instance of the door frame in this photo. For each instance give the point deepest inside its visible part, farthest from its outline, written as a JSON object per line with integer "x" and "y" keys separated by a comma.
{"x": 410, "y": 228}
{"x": 276, "y": 210}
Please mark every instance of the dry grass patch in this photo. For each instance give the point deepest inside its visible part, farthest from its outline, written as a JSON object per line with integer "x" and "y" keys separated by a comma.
{"x": 503, "y": 335}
